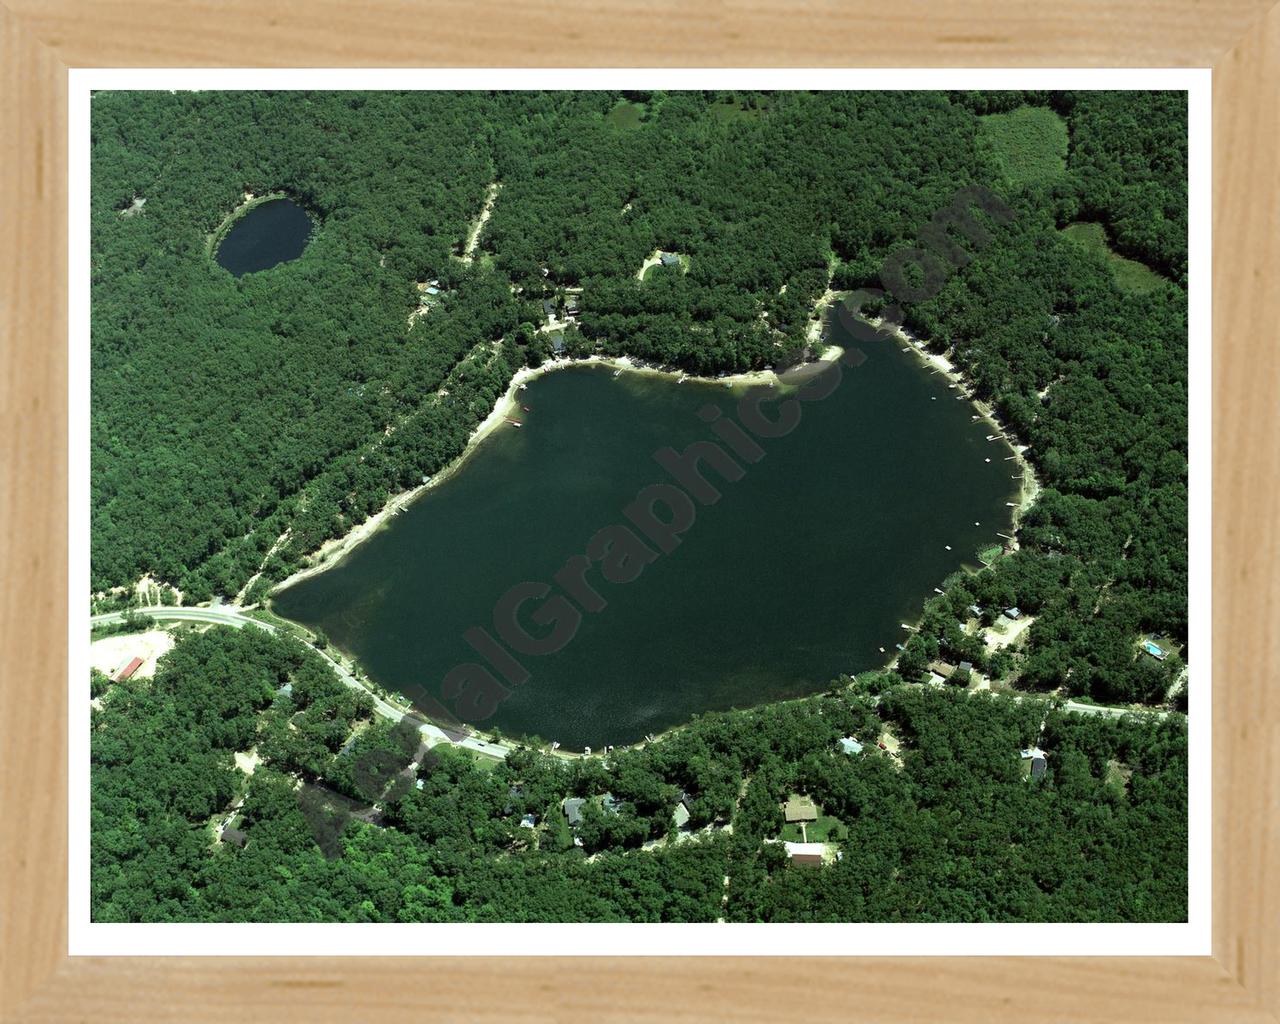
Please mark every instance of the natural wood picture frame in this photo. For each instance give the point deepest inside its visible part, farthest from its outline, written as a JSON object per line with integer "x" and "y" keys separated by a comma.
{"x": 41, "y": 39}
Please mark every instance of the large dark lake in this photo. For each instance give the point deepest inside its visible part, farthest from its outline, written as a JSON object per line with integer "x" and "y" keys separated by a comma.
{"x": 270, "y": 233}
{"x": 804, "y": 569}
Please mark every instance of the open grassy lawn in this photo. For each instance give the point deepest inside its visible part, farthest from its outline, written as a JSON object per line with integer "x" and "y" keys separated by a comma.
{"x": 728, "y": 110}
{"x": 1130, "y": 275}
{"x": 558, "y": 834}
{"x": 825, "y": 830}
{"x": 1028, "y": 144}
{"x": 657, "y": 269}
{"x": 485, "y": 762}
{"x": 989, "y": 555}
{"x": 626, "y": 114}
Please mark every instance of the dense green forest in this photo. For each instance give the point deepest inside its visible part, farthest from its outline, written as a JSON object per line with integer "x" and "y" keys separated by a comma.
{"x": 239, "y": 422}
{"x": 950, "y": 829}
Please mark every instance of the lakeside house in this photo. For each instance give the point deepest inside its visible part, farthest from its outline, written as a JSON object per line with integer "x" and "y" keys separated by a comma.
{"x": 943, "y": 669}
{"x": 670, "y": 259}
{"x": 529, "y": 821}
{"x": 234, "y": 836}
{"x": 799, "y": 808}
{"x": 557, "y": 344}
{"x": 850, "y": 746}
{"x": 1034, "y": 762}
{"x": 572, "y": 807}
{"x": 549, "y": 307}
{"x": 610, "y": 804}
{"x": 684, "y": 809}
{"x": 1014, "y": 613}
{"x": 806, "y": 854}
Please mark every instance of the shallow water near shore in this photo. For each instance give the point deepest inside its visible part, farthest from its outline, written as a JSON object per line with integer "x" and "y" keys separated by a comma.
{"x": 806, "y": 566}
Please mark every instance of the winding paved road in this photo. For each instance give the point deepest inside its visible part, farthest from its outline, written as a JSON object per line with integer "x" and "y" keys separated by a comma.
{"x": 237, "y": 619}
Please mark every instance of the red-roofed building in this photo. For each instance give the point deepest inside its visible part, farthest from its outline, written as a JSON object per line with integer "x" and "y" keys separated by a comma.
{"x": 128, "y": 670}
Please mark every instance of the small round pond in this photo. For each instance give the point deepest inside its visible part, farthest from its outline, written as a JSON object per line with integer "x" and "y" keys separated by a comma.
{"x": 268, "y": 234}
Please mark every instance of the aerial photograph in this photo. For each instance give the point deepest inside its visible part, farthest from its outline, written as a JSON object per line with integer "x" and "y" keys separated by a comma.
{"x": 638, "y": 506}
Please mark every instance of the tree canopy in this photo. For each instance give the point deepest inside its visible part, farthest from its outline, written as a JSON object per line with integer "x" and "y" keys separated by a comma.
{"x": 950, "y": 829}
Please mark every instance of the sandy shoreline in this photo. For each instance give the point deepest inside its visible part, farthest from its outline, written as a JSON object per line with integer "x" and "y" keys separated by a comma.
{"x": 334, "y": 550}
{"x": 818, "y": 319}
{"x": 1030, "y": 486}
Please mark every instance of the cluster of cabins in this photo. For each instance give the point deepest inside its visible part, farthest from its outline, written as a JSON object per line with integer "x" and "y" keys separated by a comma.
{"x": 941, "y": 671}
{"x": 610, "y": 804}
{"x": 801, "y": 811}
{"x": 572, "y": 307}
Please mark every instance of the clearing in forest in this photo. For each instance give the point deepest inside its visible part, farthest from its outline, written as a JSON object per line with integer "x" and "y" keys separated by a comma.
{"x": 626, "y": 114}
{"x": 1130, "y": 275}
{"x": 1029, "y": 144}
{"x": 473, "y": 236}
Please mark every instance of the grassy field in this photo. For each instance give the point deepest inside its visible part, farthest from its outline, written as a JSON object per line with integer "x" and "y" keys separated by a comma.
{"x": 485, "y": 762}
{"x": 728, "y": 110}
{"x": 1130, "y": 275}
{"x": 658, "y": 268}
{"x": 1028, "y": 144}
{"x": 989, "y": 555}
{"x": 825, "y": 829}
{"x": 626, "y": 114}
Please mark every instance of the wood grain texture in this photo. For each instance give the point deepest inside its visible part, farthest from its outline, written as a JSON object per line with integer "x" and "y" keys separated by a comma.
{"x": 1246, "y": 309}
{"x": 661, "y": 33}
{"x": 40, "y": 38}
{"x": 33, "y": 511}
